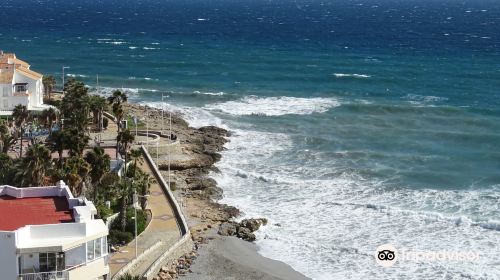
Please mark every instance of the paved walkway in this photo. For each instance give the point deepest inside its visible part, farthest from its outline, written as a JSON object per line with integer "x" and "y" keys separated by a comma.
{"x": 163, "y": 227}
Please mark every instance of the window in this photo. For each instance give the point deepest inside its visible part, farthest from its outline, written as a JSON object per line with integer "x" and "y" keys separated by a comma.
{"x": 21, "y": 88}
{"x": 43, "y": 259}
{"x": 98, "y": 247}
{"x": 90, "y": 250}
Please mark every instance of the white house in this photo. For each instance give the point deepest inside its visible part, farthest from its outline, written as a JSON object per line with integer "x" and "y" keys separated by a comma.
{"x": 19, "y": 85}
{"x": 46, "y": 233}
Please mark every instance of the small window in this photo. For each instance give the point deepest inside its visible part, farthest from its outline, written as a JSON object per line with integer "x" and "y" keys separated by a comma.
{"x": 98, "y": 247}
{"x": 90, "y": 250}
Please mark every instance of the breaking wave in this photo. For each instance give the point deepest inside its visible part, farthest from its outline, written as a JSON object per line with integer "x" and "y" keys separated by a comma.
{"x": 275, "y": 106}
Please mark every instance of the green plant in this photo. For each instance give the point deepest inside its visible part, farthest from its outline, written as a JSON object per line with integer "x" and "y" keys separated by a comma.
{"x": 127, "y": 276}
{"x": 120, "y": 237}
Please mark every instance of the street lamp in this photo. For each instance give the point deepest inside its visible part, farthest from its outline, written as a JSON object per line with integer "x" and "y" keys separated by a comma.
{"x": 135, "y": 201}
{"x": 64, "y": 67}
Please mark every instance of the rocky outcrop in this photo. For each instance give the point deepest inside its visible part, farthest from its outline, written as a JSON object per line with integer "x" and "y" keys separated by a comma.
{"x": 244, "y": 229}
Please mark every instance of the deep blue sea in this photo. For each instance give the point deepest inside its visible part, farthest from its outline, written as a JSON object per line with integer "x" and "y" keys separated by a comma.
{"x": 355, "y": 122}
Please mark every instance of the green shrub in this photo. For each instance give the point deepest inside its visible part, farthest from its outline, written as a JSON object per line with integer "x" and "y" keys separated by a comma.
{"x": 119, "y": 237}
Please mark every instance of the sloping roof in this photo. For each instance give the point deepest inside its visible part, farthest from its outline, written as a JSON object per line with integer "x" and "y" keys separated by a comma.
{"x": 6, "y": 76}
{"x": 29, "y": 73}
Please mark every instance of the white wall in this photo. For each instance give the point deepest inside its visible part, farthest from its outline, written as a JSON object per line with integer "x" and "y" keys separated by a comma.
{"x": 8, "y": 259}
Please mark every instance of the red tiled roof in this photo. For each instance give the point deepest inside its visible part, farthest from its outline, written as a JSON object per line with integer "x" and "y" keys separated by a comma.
{"x": 18, "y": 212}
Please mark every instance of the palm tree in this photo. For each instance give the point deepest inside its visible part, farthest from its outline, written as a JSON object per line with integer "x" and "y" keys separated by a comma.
{"x": 97, "y": 106}
{"x": 136, "y": 156}
{"x": 49, "y": 117}
{"x": 58, "y": 143}
{"x": 125, "y": 190}
{"x": 76, "y": 172}
{"x": 34, "y": 166}
{"x": 20, "y": 115}
{"x": 49, "y": 82}
{"x": 116, "y": 100}
{"x": 123, "y": 140}
{"x": 100, "y": 162}
{"x": 143, "y": 183}
{"x": 7, "y": 139}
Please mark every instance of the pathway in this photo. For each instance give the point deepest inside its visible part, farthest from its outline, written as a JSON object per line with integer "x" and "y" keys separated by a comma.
{"x": 163, "y": 227}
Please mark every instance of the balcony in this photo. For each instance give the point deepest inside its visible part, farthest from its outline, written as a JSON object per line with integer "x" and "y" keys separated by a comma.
{"x": 22, "y": 93}
{"x": 56, "y": 275}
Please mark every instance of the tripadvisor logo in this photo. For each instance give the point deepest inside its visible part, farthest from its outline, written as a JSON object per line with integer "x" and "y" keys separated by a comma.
{"x": 386, "y": 255}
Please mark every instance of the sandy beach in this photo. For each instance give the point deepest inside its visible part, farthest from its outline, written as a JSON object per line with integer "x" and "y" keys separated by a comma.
{"x": 218, "y": 257}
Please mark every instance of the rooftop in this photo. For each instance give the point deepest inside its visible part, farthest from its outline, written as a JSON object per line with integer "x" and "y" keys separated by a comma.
{"x": 20, "y": 212}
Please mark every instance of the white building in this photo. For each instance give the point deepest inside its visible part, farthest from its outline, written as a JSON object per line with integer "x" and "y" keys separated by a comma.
{"x": 19, "y": 84}
{"x": 46, "y": 233}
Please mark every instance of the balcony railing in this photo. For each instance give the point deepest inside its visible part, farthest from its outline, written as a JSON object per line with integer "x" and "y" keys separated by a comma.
{"x": 56, "y": 275}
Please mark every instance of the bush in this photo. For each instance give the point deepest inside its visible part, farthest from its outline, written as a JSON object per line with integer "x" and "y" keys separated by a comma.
{"x": 130, "y": 228}
{"x": 120, "y": 237}
{"x": 103, "y": 211}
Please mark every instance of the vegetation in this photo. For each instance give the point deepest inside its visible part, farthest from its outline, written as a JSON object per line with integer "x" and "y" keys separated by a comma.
{"x": 64, "y": 154}
{"x": 127, "y": 276}
{"x": 49, "y": 83}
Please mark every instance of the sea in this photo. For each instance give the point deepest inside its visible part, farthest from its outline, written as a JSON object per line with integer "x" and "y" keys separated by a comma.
{"x": 355, "y": 123}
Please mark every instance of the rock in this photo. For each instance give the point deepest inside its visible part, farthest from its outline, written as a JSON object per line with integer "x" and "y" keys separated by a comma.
{"x": 253, "y": 224}
{"x": 245, "y": 234}
{"x": 228, "y": 229}
{"x": 164, "y": 269}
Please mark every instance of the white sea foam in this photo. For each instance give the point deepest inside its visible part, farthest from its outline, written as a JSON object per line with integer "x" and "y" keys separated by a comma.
{"x": 220, "y": 93}
{"x": 343, "y": 75}
{"x": 417, "y": 99}
{"x": 275, "y": 106}
{"x": 76, "y": 75}
{"x": 329, "y": 228}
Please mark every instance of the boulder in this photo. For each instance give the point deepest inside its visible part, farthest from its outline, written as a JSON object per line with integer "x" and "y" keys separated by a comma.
{"x": 253, "y": 224}
{"x": 245, "y": 234}
{"x": 228, "y": 229}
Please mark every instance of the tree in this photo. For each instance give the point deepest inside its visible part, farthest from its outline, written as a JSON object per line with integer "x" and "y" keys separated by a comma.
{"x": 76, "y": 171}
{"x": 34, "y": 165}
{"x": 125, "y": 190}
{"x": 75, "y": 105}
{"x": 20, "y": 115}
{"x": 76, "y": 141}
{"x": 58, "y": 142}
{"x": 123, "y": 141}
{"x": 116, "y": 99}
{"x": 7, "y": 137}
{"x": 100, "y": 162}
{"x": 136, "y": 157}
{"x": 48, "y": 118}
{"x": 49, "y": 83}
{"x": 7, "y": 169}
{"x": 143, "y": 183}
{"x": 97, "y": 106}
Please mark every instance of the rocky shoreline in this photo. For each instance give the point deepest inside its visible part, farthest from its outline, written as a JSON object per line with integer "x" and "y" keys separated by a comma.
{"x": 190, "y": 166}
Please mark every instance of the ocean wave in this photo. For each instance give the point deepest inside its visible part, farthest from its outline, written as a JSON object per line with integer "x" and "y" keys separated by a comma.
{"x": 220, "y": 93}
{"x": 76, "y": 75}
{"x": 417, "y": 99}
{"x": 343, "y": 75}
{"x": 275, "y": 106}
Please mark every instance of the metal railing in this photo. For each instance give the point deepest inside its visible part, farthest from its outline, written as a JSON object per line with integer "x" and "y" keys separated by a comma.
{"x": 55, "y": 275}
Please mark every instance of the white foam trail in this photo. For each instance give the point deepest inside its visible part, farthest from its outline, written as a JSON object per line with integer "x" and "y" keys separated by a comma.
{"x": 329, "y": 228}
{"x": 275, "y": 106}
{"x": 343, "y": 75}
{"x": 220, "y": 93}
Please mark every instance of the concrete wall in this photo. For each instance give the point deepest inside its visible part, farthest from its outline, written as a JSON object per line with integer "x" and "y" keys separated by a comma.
{"x": 92, "y": 270}
{"x": 183, "y": 245}
{"x": 8, "y": 259}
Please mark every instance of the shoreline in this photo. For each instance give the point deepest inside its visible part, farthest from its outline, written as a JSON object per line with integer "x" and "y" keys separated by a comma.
{"x": 220, "y": 257}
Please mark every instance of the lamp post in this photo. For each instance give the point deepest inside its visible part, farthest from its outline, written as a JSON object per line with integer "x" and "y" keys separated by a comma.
{"x": 64, "y": 67}
{"x": 135, "y": 200}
